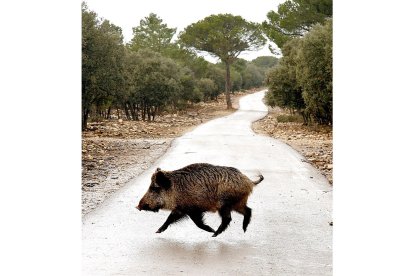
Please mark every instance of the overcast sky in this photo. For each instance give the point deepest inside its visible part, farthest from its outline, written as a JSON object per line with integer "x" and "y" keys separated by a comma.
{"x": 181, "y": 13}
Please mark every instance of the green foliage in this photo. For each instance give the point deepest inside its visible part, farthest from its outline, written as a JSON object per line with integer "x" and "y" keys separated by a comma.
{"x": 188, "y": 59}
{"x": 152, "y": 34}
{"x": 240, "y": 65}
{"x": 216, "y": 73}
{"x": 284, "y": 89}
{"x": 315, "y": 67}
{"x": 265, "y": 62}
{"x": 252, "y": 76}
{"x": 244, "y": 74}
{"x": 294, "y": 18}
{"x": 224, "y": 36}
{"x": 236, "y": 80}
{"x": 103, "y": 58}
{"x": 302, "y": 80}
{"x": 187, "y": 92}
{"x": 287, "y": 118}
{"x": 151, "y": 73}
{"x": 157, "y": 81}
{"x": 208, "y": 89}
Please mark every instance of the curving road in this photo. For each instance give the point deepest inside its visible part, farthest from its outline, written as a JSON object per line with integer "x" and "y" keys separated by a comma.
{"x": 289, "y": 233}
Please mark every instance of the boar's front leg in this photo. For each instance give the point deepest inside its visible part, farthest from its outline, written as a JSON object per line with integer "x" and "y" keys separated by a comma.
{"x": 197, "y": 217}
{"x": 174, "y": 216}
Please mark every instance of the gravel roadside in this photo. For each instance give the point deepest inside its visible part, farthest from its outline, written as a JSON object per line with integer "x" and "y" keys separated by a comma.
{"x": 313, "y": 142}
{"x": 112, "y": 162}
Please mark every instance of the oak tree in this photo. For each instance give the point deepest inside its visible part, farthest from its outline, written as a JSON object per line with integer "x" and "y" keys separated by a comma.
{"x": 103, "y": 56}
{"x": 314, "y": 72}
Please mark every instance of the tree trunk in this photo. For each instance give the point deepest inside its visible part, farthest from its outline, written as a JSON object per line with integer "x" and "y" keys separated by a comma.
{"x": 85, "y": 115}
{"x": 134, "y": 112}
{"x": 306, "y": 117}
{"x": 228, "y": 88}
{"x": 126, "y": 111}
{"x": 108, "y": 114}
{"x": 149, "y": 113}
{"x": 154, "y": 112}
{"x": 143, "y": 111}
{"x": 136, "y": 108}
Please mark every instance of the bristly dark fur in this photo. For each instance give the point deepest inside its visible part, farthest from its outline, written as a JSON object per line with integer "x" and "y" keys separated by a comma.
{"x": 198, "y": 188}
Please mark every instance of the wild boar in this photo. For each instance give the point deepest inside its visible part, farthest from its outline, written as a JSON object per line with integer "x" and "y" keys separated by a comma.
{"x": 198, "y": 188}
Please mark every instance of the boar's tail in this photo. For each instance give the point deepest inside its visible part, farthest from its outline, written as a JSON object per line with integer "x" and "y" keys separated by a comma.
{"x": 258, "y": 181}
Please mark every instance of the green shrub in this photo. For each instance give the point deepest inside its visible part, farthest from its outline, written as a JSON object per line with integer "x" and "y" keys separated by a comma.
{"x": 287, "y": 118}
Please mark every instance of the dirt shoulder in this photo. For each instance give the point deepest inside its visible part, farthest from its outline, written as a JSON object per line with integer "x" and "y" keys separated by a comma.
{"x": 313, "y": 142}
{"x": 116, "y": 151}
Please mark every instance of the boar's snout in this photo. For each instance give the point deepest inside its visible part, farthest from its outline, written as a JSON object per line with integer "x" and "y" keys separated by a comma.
{"x": 142, "y": 206}
{"x": 145, "y": 207}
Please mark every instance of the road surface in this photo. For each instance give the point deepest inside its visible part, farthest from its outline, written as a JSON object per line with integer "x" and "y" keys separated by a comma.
{"x": 289, "y": 233}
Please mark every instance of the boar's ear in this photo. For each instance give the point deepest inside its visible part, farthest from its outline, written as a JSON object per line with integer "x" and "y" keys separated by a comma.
{"x": 158, "y": 169}
{"x": 162, "y": 180}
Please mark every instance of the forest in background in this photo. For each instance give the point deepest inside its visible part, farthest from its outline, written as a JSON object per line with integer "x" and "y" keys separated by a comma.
{"x": 152, "y": 73}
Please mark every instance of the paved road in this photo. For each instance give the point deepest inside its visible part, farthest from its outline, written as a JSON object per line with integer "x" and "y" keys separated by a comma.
{"x": 289, "y": 233}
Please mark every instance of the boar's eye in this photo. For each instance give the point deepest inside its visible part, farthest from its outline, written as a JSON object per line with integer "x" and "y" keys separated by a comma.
{"x": 155, "y": 189}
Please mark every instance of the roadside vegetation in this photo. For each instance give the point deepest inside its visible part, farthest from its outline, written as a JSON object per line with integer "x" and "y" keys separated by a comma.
{"x": 152, "y": 73}
{"x": 302, "y": 80}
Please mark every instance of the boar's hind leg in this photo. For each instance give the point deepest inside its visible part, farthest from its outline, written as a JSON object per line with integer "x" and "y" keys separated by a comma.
{"x": 242, "y": 208}
{"x": 247, "y": 212}
{"x": 197, "y": 217}
{"x": 173, "y": 217}
{"x": 225, "y": 219}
